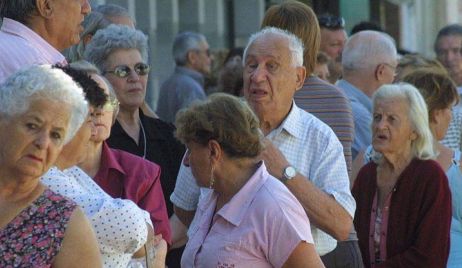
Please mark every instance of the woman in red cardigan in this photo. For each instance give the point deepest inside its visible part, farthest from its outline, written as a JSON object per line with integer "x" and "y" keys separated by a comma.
{"x": 403, "y": 212}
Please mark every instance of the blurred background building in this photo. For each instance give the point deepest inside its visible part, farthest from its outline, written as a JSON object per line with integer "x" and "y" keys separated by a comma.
{"x": 228, "y": 23}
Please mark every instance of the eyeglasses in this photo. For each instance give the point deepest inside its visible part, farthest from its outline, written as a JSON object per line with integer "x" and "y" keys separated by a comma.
{"x": 123, "y": 71}
{"x": 111, "y": 105}
{"x": 331, "y": 22}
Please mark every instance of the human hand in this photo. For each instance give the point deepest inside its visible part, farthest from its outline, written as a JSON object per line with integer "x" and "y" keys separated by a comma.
{"x": 274, "y": 160}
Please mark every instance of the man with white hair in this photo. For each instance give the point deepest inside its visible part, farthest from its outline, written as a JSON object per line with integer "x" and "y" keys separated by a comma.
{"x": 186, "y": 84}
{"x": 369, "y": 60}
{"x": 301, "y": 151}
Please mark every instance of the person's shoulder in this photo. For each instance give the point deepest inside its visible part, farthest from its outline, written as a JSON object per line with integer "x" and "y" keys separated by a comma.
{"x": 59, "y": 200}
{"x": 130, "y": 162}
{"x": 315, "y": 127}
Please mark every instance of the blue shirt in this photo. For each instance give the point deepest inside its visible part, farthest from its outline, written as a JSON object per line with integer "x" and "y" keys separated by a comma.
{"x": 361, "y": 106}
{"x": 182, "y": 88}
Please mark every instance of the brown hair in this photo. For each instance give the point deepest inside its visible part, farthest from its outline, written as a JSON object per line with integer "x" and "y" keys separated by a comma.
{"x": 435, "y": 85}
{"x": 410, "y": 62}
{"x": 300, "y": 20}
{"x": 224, "y": 118}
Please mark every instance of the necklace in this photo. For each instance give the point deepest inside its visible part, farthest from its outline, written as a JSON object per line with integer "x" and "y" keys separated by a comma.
{"x": 144, "y": 139}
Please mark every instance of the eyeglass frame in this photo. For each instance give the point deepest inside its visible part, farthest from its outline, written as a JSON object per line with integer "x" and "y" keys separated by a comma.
{"x": 331, "y": 22}
{"x": 114, "y": 72}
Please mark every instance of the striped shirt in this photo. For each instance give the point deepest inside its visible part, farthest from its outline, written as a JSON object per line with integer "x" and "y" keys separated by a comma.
{"x": 454, "y": 133}
{"x": 329, "y": 104}
{"x": 22, "y": 47}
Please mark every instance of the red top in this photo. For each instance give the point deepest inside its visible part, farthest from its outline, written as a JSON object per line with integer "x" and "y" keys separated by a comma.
{"x": 127, "y": 176}
{"x": 419, "y": 216}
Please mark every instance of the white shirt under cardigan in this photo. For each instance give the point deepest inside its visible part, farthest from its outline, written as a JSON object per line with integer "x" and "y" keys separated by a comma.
{"x": 119, "y": 224}
{"x": 313, "y": 149}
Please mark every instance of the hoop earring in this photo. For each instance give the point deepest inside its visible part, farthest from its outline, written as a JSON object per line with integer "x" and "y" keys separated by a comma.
{"x": 212, "y": 178}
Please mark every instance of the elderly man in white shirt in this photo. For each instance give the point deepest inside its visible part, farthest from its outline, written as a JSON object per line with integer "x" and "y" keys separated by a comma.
{"x": 301, "y": 151}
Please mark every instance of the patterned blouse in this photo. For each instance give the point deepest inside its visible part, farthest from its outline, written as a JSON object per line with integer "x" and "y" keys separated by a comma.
{"x": 34, "y": 237}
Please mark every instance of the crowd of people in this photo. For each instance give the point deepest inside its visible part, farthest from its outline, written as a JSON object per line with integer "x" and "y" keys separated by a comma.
{"x": 319, "y": 150}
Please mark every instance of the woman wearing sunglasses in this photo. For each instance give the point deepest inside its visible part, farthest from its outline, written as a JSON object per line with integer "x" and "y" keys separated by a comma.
{"x": 121, "y": 54}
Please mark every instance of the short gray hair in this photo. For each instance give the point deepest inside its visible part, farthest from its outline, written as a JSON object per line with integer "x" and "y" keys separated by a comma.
{"x": 114, "y": 37}
{"x": 111, "y": 11}
{"x": 85, "y": 66}
{"x": 367, "y": 49}
{"x": 183, "y": 43}
{"x": 43, "y": 81}
{"x": 92, "y": 23}
{"x": 295, "y": 44}
{"x": 18, "y": 10}
{"x": 422, "y": 147}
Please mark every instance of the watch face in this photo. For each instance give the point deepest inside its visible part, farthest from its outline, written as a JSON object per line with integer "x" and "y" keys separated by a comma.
{"x": 290, "y": 172}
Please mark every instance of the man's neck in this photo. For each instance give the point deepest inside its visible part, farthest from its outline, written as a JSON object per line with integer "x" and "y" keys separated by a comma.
{"x": 40, "y": 27}
{"x": 271, "y": 120}
{"x": 367, "y": 86}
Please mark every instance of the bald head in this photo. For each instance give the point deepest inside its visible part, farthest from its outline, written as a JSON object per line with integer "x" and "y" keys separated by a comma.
{"x": 367, "y": 49}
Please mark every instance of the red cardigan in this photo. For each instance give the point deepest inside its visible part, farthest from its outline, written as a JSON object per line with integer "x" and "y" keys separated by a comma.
{"x": 127, "y": 176}
{"x": 419, "y": 216}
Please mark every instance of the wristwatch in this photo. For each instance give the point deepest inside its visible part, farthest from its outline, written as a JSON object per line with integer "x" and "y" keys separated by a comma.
{"x": 288, "y": 173}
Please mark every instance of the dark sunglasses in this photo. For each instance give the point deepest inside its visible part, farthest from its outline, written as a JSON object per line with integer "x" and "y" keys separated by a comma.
{"x": 331, "y": 22}
{"x": 123, "y": 71}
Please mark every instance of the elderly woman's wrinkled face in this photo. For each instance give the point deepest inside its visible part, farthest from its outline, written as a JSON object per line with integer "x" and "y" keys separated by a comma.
{"x": 392, "y": 132}
{"x": 67, "y": 16}
{"x": 77, "y": 149}
{"x": 31, "y": 142}
{"x": 103, "y": 117}
{"x": 131, "y": 89}
{"x": 197, "y": 157}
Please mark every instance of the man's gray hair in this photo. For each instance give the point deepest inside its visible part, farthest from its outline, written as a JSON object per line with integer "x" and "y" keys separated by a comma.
{"x": 18, "y": 10}
{"x": 92, "y": 23}
{"x": 367, "y": 49}
{"x": 43, "y": 81}
{"x": 422, "y": 147}
{"x": 113, "y": 11}
{"x": 295, "y": 44}
{"x": 114, "y": 37}
{"x": 185, "y": 42}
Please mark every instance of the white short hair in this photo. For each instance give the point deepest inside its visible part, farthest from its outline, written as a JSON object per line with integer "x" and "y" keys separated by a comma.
{"x": 17, "y": 92}
{"x": 295, "y": 44}
{"x": 422, "y": 147}
{"x": 367, "y": 49}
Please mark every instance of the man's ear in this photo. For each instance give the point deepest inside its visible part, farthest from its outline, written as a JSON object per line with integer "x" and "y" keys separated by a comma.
{"x": 44, "y": 8}
{"x": 379, "y": 71}
{"x": 191, "y": 57}
{"x": 301, "y": 74}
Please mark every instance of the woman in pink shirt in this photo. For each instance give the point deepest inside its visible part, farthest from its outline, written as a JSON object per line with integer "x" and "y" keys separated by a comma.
{"x": 248, "y": 218}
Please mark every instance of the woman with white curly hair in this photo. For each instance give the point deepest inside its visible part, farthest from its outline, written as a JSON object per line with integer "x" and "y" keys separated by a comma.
{"x": 41, "y": 108}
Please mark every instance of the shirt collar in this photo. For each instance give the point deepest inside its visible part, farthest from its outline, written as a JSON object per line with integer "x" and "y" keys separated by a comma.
{"x": 235, "y": 210}
{"x": 198, "y": 77}
{"x": 16, "y": 28}
{"x": 109, "y": 161}
{"x": 291, "y": 124}
{"x": 355, "y": 93}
